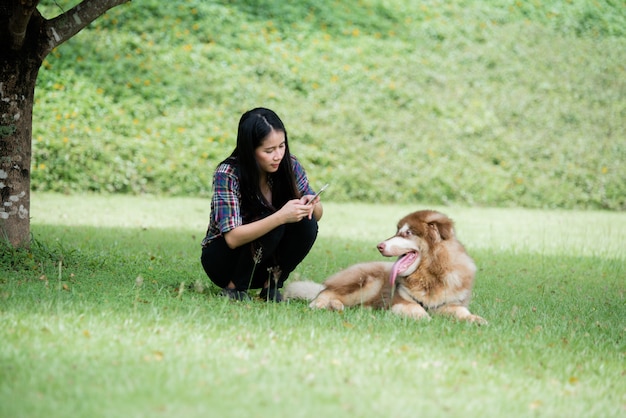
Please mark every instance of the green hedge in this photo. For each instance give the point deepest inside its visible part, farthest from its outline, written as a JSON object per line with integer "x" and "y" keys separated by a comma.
{"x": 467, "y": 102}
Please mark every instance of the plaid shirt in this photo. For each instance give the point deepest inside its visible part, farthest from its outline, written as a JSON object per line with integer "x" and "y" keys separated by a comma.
{"x": 226, "y": 202}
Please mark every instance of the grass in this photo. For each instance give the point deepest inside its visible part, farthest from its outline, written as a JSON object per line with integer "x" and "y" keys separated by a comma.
{"x": 97, "y": 320}
{"x": 495, "y": 103}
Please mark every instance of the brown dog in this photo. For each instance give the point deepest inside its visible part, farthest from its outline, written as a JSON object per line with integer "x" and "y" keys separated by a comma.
{"x": 433, "y": 273}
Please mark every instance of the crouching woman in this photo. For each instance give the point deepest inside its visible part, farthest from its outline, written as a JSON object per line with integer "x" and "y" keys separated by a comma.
{"x": 264, "y": 214}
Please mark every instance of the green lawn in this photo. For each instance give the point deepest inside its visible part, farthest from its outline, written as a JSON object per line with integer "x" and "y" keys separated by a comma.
{"x": 98, "y": 320}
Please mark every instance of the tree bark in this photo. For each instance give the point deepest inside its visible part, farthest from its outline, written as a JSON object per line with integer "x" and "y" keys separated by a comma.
{"x": 26, "y": 38}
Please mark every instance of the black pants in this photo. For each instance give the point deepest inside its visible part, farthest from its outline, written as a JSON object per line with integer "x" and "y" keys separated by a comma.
{"x": 247, "y": 266}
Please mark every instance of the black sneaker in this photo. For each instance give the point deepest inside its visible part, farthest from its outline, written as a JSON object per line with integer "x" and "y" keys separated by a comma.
{"x": 271, "y": 295}
{"x": 235, "y": 294}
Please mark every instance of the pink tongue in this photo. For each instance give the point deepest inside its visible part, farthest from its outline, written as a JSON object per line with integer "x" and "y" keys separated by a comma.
{"x": 403, "y": 262}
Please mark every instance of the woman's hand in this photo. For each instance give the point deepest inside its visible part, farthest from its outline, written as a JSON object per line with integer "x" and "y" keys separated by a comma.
{"x": 295, "y": 210}
{"x": 313, "y": 202}
{"x": 310, "y": 199}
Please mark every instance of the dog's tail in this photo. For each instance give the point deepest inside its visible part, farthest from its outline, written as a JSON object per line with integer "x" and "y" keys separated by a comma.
{"x": 306, "y": 290}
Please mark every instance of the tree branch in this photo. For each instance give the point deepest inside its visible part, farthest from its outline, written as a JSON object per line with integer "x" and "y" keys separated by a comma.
{"x": 18, "y": 21}
{"x": 68, "y": 24}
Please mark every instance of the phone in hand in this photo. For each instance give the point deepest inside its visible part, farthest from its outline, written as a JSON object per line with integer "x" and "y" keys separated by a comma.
{"x": 318, "y": 193}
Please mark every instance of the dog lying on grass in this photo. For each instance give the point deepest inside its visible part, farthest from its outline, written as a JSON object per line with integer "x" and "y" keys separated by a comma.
{"x": 433, "y": 274}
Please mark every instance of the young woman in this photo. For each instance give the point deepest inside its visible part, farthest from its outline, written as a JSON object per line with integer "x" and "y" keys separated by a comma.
{"x": 263, "y": 212}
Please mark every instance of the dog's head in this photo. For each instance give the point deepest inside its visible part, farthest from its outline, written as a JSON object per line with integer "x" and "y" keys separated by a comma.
{"x": 417, "y": 233}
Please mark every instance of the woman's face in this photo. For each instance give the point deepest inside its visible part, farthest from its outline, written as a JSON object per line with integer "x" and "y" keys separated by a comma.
{"x": 269, "y": 154}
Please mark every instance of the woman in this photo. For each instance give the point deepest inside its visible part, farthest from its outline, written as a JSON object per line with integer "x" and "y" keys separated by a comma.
{"x": 263, "y": 212}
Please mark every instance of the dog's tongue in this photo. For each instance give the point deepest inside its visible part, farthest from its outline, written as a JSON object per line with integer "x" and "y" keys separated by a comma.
{"x": 403, "y": 262}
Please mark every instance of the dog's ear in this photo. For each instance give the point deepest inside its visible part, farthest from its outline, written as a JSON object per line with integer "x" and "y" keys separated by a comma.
{"x": 441, "y": 229}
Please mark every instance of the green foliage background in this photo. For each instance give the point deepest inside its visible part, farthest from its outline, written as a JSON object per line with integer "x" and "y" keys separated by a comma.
{"x": 499, "y": 103}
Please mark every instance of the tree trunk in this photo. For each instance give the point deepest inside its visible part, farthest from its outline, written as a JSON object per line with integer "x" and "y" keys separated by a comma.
{"x": 18, "y": 75}
{"x": 26, "y": 38}
{"x": 16, "y": 111}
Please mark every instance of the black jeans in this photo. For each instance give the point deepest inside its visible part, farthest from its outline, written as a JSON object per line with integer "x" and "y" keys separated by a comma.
{"x": 247, "y": 266}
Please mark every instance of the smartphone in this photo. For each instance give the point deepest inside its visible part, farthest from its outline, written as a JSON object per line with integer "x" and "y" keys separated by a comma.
{"x": 318, "y": 193}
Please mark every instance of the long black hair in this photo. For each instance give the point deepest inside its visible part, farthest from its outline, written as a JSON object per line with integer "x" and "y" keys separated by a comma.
{"x": 254, "y": 126}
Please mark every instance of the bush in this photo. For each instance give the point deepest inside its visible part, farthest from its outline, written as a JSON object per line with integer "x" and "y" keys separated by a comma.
{"x": 464, "y": 102}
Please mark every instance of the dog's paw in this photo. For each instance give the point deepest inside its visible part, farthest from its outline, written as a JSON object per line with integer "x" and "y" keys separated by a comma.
{"x": 478, "y": 320}
{"x": 325, "y": 302}
{"x": 336, "y": 305}
{"x": 411, "y": 310}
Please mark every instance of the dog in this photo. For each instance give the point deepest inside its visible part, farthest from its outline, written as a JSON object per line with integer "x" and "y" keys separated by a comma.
{"x": 433, "y": 274}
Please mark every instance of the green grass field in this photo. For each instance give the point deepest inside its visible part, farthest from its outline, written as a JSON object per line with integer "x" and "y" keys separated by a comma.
{"x": 99, "y": 320}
